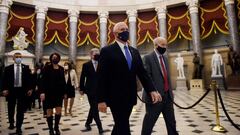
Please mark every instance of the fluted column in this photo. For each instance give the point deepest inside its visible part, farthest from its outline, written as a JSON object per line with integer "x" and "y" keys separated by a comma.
{"x": 40, "y": 23}
{"x": 132, "y": 19}
{"x": 232, "y": 24}
{"x": 162, "y": 21}
{"x": 103, "y": 16}
{"x": 193, "y": 9}
{"x": 4, "y": 11}
{"x": 73, "y": 21}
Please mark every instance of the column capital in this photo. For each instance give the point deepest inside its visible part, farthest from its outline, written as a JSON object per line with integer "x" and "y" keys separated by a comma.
{"x": 41, "y": 11}
{"x": 161, "y": 12}
{"x": 132, "y": 15}
{"x": 73, "y": 15}
{"x": 103, "y": 16}
{"x": 192, "y": 5}
{"x": 5, "y": 5}
{"x": 228, "y": 2}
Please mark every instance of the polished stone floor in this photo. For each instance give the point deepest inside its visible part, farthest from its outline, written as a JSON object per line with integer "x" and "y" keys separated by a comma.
{"x": 198, "y": 120}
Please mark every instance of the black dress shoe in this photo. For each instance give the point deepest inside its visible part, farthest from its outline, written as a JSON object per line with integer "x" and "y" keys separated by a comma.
{"x": 51, "y": 132}
{"x": 19, "y": 131}
{"x": 88, "y": 127}
{"x": 57, "y": 132}
{"x": 11, "y": 127}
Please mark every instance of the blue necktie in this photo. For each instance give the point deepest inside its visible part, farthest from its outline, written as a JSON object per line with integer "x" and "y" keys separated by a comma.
{"x": 128, "y": 57}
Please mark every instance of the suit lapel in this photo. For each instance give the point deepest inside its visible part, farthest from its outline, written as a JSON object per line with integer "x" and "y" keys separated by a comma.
{"x": 156, "y": 61}
{"x": 121, "y": 55}
{"x": 91, "y": 66}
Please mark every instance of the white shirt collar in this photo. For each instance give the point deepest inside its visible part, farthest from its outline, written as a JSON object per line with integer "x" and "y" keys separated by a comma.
{"x": 121, "y": 44}
{"x": 94, "y": 61}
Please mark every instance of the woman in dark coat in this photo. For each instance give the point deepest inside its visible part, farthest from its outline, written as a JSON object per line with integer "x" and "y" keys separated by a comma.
{"x": 53, "y": 91}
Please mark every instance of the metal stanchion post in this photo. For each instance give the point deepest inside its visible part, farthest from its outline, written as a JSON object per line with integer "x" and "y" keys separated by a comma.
{"x": 218, "y": 127}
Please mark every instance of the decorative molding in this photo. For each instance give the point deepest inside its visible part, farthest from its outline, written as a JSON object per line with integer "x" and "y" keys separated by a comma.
{"x": 41, "y": 11}
{"x": 73, "y": 15}
{"x": 132, "y": 15}
{"x": 192, "y": 6}
{"x": 228, "y": 2}
{"x": 161, "y": 12}
{"x": 5, "y": 5}
{"x": 103, "y": 16}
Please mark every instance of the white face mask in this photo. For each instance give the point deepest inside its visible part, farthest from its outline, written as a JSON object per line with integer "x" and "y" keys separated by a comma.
{"x": 66, "y": 67}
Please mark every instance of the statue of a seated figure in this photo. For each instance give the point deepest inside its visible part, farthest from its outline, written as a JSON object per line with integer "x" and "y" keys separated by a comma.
{"x": 19, "y": 40}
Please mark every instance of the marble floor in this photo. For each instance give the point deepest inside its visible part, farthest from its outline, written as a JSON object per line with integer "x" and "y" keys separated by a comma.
{"x": 194, "y": 121}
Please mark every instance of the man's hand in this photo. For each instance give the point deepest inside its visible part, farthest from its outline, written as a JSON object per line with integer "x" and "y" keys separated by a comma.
{"x": 42, "y": 97}
{"x": 5, "y": 93}
{"x": 29, "y": 93}
{"x": 102, "y": 107}
{"x": 156, "y": 97}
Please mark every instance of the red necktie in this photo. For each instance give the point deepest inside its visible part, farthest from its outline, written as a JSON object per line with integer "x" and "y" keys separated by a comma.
{"x": 166, "y": 85}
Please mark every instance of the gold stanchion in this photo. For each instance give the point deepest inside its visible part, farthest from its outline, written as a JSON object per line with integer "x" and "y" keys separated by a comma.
{"x": 218, "y": 127}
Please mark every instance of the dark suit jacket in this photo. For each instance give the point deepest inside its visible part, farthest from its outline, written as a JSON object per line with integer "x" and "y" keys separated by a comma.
{"x": 53, "y": 82}
{"x": 88, "y": 79}
{"x": 8, "y": 78}
{"x": 117, "y": 84}
{"x": 153, "y": 67}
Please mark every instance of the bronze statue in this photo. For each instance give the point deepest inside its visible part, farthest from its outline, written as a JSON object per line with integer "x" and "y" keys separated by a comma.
{"x": 197, "y": 68}
{"x": 232, "y": 60}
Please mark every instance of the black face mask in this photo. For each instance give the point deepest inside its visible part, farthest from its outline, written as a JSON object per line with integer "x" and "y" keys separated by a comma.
{"x": 55, "y": 61}
{"x": 161, "y": 50}
{"x": 123, "y": 36}
{"x": 96, "y": 57}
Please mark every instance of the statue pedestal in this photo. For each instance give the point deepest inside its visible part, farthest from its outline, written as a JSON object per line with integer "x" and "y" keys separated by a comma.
{"x": 233, "y": 82}
{"x": 181, "y": 84}
{"x": 220, "y": 82}
{"x": 196, "y": 84}
{"x": 27, "y": 58}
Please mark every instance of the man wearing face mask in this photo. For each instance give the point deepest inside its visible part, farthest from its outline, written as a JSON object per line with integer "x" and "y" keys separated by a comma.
{"x": 119, "y": 66}
{"x": 157, "y": 67}
{"x": 88, "y": 85}
{"x": 16, "y": 86}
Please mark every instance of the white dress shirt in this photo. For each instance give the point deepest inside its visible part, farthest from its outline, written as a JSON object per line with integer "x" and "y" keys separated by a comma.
{"x": 158, "y": 57}
{"x": 94, "y": 62}
{"x": 121, "y": 45}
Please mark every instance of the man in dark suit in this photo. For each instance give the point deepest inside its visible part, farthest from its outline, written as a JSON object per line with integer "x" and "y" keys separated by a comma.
{"x": 118, "y": 67}
{"x": 157, "y": 67}
{"x": 16, "y": 86}
{"x": 88, "y": 85}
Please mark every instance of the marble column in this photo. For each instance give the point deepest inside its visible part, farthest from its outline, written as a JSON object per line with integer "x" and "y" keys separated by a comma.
{"x": 4, "y": 11}
{"x": 73, "y": 22}
{"x": 232, "y": 24}
{"x": 103, "y": 16}
{"x": 132, "y": 19}
{"x": 193, "y": 9}
{"x": 162, "y": 21}
{"x": 41, "y": 12}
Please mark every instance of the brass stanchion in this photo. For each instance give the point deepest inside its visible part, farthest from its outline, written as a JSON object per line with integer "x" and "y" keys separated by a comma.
{"x": 218, "y": 127}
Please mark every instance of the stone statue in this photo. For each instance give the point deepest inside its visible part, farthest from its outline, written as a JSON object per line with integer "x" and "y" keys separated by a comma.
{"x": 197, "y": 68}
{"x": 180, "y": 61}
{"x": 216, "y": 64}
{"x": 19, "y": 40}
